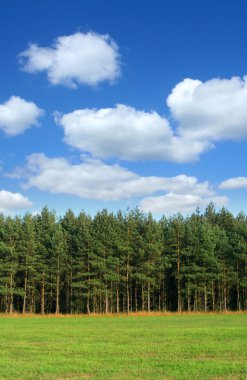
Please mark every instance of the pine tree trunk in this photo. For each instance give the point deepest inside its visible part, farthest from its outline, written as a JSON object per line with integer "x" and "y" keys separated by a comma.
{"x": 100, "y": 304}
{"x": 88, "y": 289}
{"x": 88, "y": 304}
{"x": 160, "y": 293}
{"x": 213, "y": 297}
{"x": 106, "y": 301}
{"x": 123, "y": 303}
{"x": 220, "y": 296}
{"x": 225, "y": 299}
{"x": 127, "y": 289}
{"x": 143, "y": 305}
{"x": 224, "y": 291}
{"x": 154, "y": 301}
{"x": 238, "y": 290}
{"x": 51, "y": 295}
{"x": 25, "y": 294}
{"x": 188, "y": 298}
{"x": 80, "y": 302}
{"x": 43, "y": 294}
{"x": 6, "y": 299}
{"x": 57, "y": 293}
{"x": 244, "y": 289}
{"x": 205, "y": 299}
{"x": 136, "y": 302}
{"x": 94, "y": 304}
{"x": 32, "y": 308}
{"x": 238, "y": 298}
{"x": 165, "y": 301}
{"x": 179, "y": 307}
{"x": 71, "y": 291}
{"x": 131, "y": 300}
{"x": 111, "y": 305}
{"x": 159, "y": 300}
{"x": 195, "y": 301}
{"x": 11, "y": 295}
{"x": 117, "y": 295}
{"x": 199, "y": 298}
{"x": 149, "y": 296}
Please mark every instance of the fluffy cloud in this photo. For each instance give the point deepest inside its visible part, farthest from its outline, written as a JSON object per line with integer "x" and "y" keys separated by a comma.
{"x": 12, "y": 201}
{"x": 16, "y": 115}
{"x": 204, "y": 113}
{"x": 80, "y": 58}
{"x": 234, "y": 183}
{"x": 210, "y": 111}
{"x": 93, "y": 179}
{"x": 90, "y": 179}
{"x": 126, "y": 133}
{"x": 184, "y": 203}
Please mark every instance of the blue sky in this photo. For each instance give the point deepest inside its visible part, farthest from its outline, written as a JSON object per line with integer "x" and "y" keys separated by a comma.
{"x": 120, "y": 104}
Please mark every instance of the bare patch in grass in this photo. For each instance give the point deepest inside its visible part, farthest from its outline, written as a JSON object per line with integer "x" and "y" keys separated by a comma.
{"x": 71, "y": 376}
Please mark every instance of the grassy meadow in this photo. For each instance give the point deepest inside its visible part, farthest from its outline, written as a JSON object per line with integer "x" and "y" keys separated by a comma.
{"x": 212, "y": 346}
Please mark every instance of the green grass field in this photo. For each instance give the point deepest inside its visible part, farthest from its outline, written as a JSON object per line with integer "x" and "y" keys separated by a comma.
{"x": 135, "y": 347}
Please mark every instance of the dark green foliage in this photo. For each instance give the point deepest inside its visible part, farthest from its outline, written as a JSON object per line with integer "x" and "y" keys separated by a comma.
{"x": 123, "y": 263}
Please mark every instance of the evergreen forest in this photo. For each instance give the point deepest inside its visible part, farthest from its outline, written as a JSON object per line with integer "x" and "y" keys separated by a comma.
{"x": 122, "y": 263}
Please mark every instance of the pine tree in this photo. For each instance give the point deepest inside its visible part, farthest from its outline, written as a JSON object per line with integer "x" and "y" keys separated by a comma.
{"x": 58, "y": 262}
{"x": 9, "y": 236}
{"x": 69, "y": 225}
{"x": 45, "y": 225}
{"x": 176, "y": 251}
{"x": 28, "y": 263}
{"x": 82, "y": 266}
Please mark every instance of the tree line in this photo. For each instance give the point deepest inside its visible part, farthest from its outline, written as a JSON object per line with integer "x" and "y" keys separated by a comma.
{"x": 124, "y": 262}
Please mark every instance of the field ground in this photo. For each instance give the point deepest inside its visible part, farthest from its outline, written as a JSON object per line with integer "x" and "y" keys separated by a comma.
{"x": 193, "y": 347}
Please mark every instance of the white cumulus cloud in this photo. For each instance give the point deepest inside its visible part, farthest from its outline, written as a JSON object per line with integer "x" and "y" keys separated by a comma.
{"x": 234, "y": 183}
{"x": 17, "y": 115}
{"x": 181, "y": 202}
{"x": 204, "y": 114}
{"x": 210, "y": 111}
{"x": 126, "y": 133}
{"x": 80, "y": 58}
{"x": 96, "y": 180}
{"x": 13, "y": 201}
